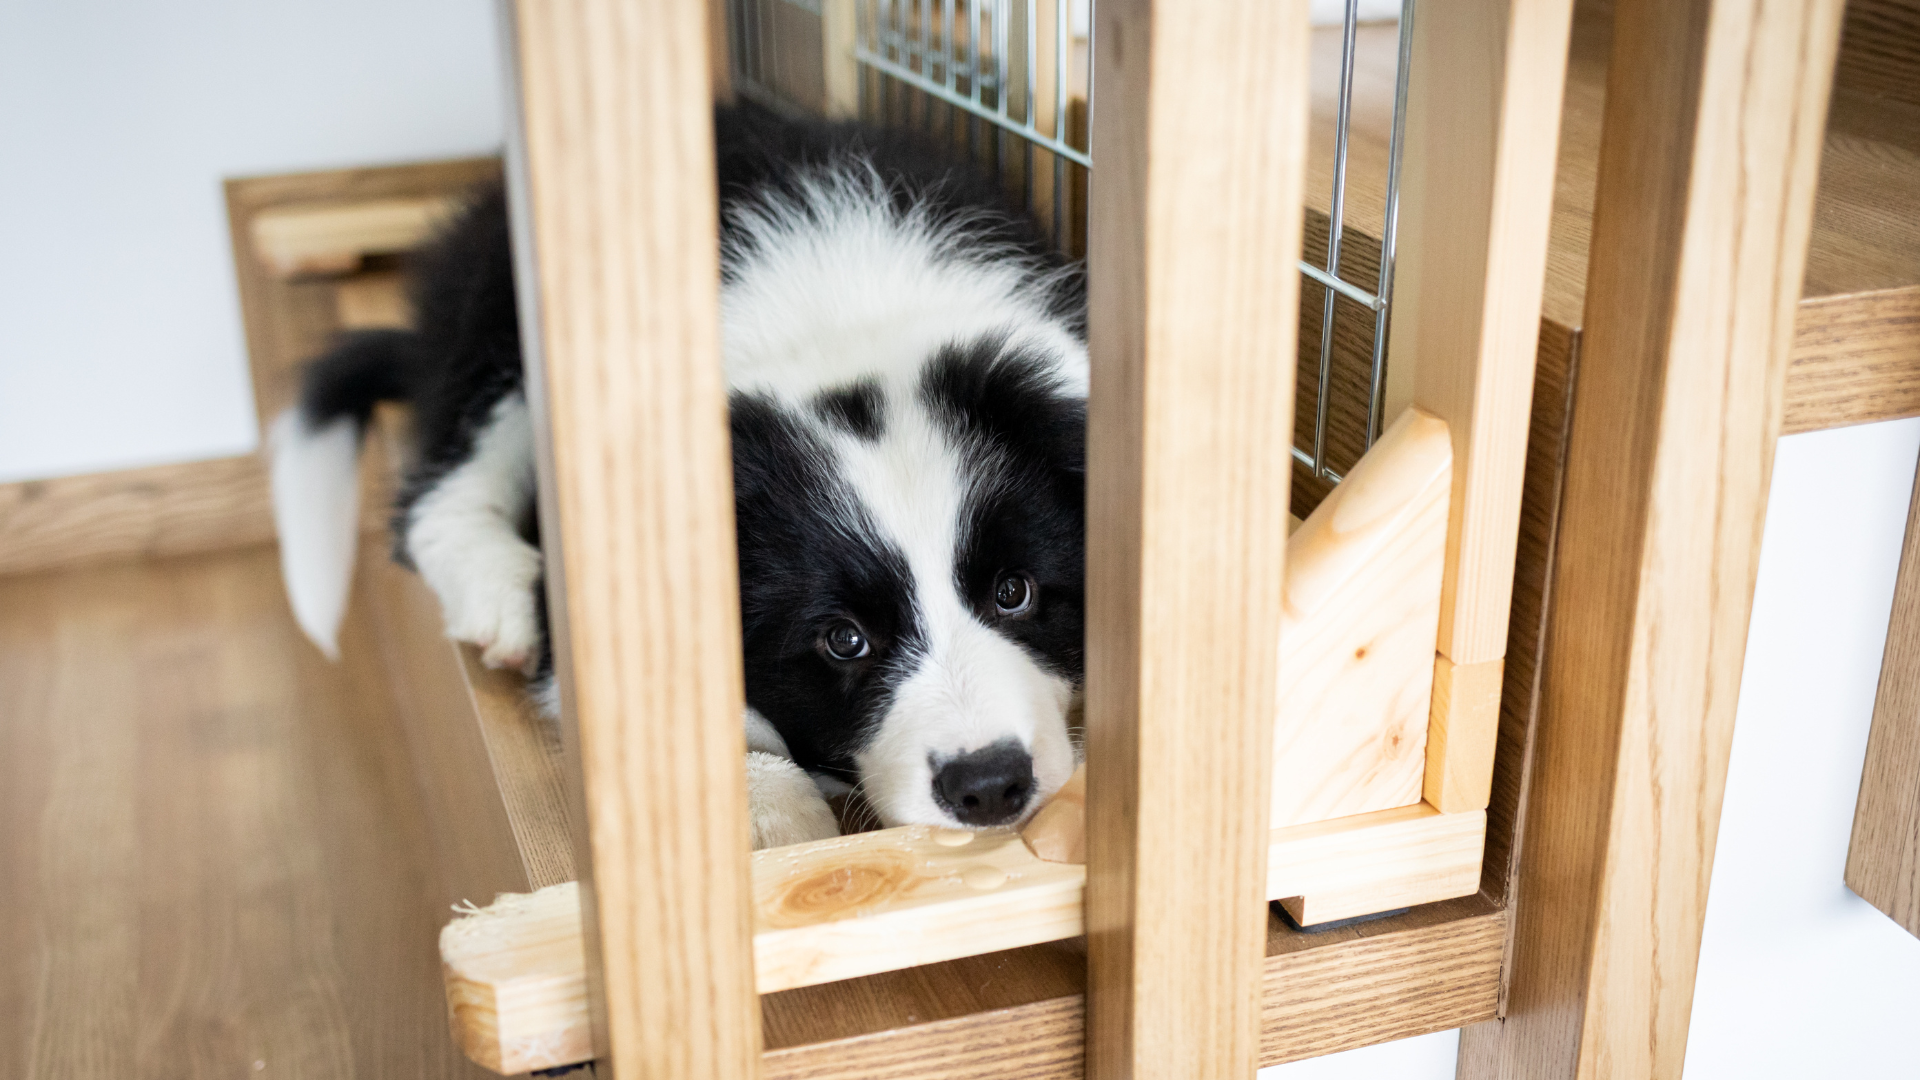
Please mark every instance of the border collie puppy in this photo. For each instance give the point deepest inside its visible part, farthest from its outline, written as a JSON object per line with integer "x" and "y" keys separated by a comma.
{"x": 908, "y": 377}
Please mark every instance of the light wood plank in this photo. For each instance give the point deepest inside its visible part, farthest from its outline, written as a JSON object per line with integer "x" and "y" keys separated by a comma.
{"x": 1359, "y": 613}
{"x": 376, "y": 300}
{"x": 290, "y": 322}
{"x": 616, "y": 140}
{"x": 1705, "y": 199}
{"x": 1191, "y": 320}
{"x": 1883, "y": 857}
{"x": 1856, "y": 360}
{"x": 321, "y": 239}
{"x": 1476, "y": 200}
{"x": 1374, "y": 862}
{"x": 1460, "y": 744}
{"x": 163, "y": 510}
{"x": 215, "y": 863}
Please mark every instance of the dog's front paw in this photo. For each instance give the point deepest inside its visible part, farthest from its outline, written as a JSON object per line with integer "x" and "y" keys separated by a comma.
{"x": 487, "y": 596}
{"x": 783, "y": 805}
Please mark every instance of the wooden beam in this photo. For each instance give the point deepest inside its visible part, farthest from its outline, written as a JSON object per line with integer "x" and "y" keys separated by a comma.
{"x": 162, "y": 510}
{"x": 1191, "y": 325}
{"x": 1361, "y": 602}
{"x": 1483, "y": 119}
{"x": 321, "y": 239}
{"x": 1710, "y": 149}
{"x": 1856, "y": 360}
{"x": 1883, "y": 858}
{"x": 621, "y": 301}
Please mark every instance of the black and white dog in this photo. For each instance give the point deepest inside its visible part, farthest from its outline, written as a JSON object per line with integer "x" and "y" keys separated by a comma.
{"x": 908, "y": 380}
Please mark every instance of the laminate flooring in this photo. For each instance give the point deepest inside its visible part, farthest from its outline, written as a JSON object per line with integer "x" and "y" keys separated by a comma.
{"x": 212, "y": 857}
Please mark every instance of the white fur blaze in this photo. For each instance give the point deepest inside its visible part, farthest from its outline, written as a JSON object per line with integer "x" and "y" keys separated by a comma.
{"x": 783, "y": 805}
{"x": 464, "y": 536}
{"x": 316, "y": 510}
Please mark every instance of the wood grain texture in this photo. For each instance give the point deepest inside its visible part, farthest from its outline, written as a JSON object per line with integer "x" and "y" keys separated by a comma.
{"x": 1476, "y": 201}
{"x": 853, "y": 905}
{"x": 290, "y": 322}
{"x": 162, "y": 510}
{"x": 1191, "y": 320}
{"x": 1432, "y": 969}
{"x": 1368, "y": 863}
{"x": 1880, "y": 50}
{"x": 515, "y": 987}
{"x": 1533, "y": 570}
{"x": 1462, "y": 730}
{"x": 1856, "y": 360}
{"x": 1710, "y": 152}
{"x": 214, "y": 859}
{"x": 1378, "y": 988}
{"x": 1883, "y": 857}
{"x": 1359, "y": 611}
{"x": 616, "y": 138}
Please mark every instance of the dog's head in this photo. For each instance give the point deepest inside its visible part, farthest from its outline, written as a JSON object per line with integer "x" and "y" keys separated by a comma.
{"x": 911, "y": 563}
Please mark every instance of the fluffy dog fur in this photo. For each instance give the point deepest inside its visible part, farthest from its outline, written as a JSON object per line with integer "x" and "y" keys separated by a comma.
{"x": 908, "y": 382}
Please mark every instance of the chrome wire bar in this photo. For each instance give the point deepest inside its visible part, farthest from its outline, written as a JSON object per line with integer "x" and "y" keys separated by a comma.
{"x": 894, "y": 49}
{"x": 1336, "y": 222}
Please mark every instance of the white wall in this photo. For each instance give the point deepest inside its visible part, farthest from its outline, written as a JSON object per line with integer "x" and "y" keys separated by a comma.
{"x": 120, "y": 338}
{"x": 1798, "y": 976}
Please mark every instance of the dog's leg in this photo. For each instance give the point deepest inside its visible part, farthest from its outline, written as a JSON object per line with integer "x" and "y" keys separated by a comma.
{"x": 783, "y": 806}
{"x": 464, "y": 537}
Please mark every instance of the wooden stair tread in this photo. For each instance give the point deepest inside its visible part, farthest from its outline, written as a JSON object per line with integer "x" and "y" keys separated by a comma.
{"x": 1866, "y": 233}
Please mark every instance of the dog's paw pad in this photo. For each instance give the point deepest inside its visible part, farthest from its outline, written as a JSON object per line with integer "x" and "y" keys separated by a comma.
{"x": 784, "y": 807}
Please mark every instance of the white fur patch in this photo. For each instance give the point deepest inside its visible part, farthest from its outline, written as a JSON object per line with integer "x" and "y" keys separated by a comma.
{"x": 464, "y": 536}
{"x": 837, "y": 287}
{"x": 316, "y": 509}
{"x": 783, "y": 805}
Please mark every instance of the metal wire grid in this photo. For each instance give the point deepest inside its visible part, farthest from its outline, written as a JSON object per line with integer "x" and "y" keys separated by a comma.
{"x": 1380, "y": 299}
{"x": 981, "y": 60}
{"x": 962, "y": 54}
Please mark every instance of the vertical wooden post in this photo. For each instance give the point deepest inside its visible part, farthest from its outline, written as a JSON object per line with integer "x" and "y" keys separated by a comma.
{"x": 839, "y": 32}
{"x": 616, "y": 192}
{"x": 719, "y": 52}
{"x": 1883, "y": 856}
{"x": 1712, "y": 138}
{"x": 1483, "y": 116}
{"x": 1199, "y": 135}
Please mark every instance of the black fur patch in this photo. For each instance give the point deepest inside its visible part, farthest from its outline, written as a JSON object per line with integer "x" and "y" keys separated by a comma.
{"x": 803, "y": 565}
{"x": 1009, "y": 413}
{"x": 857, "y": 409}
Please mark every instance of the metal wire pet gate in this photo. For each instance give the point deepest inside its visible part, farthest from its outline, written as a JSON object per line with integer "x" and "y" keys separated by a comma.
{"x": 1008, "y": 82}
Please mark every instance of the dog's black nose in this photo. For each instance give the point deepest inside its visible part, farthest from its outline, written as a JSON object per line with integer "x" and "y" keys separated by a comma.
{"x": 988, "y": 786}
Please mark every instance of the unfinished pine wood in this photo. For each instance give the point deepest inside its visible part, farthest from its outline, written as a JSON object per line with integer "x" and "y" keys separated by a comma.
{"x": 1388, "y": 859}
{"x": 1359, "y": 612}
{"x": 1883, "y": 858}
{"x": 1190, "y": 320}
{"x": 903, "y": 898}
{"x": 158, "y": 511}
{"x": 318, "y": 239}
{"x": 617, "y": 139}
{"x": 1856, "y": 360}
{"x": 1459, "y": 766}
{"x": 1022, "y": 1012}
{"x": 290, "y": 322}
{"x": 1483, "y": 113}
{"x": 854, "y": 905}
{"x": 1704, "y": 203}
{"x": 516, "y": 981}
{"x": 214, "y": 859}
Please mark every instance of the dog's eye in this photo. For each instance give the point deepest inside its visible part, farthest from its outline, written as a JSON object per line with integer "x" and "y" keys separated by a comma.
{"x": 844, "y": 641}
{"x": 1013, "y": 594}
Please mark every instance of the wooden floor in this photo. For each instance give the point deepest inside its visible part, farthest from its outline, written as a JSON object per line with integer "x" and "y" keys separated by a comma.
{"x": 211, "y": 856}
